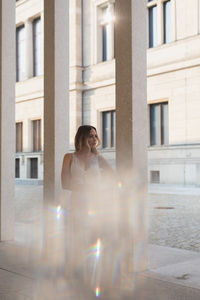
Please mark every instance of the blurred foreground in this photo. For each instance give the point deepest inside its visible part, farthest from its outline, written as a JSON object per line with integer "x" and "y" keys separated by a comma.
{"x": 26, "y": 275}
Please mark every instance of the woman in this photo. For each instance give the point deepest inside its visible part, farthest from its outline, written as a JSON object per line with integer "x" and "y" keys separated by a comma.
{"x": 90, "y": 178}
{"x": 83, "y": 159}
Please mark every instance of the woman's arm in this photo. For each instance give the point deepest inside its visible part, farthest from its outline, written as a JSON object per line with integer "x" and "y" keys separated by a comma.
{"x": 105, "y": 165}
{"x": 110, "y": 175}
{"x": 66, "y": 172}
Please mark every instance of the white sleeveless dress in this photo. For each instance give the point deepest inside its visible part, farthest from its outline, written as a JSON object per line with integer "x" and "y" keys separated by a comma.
{"x": 91, "y": 224}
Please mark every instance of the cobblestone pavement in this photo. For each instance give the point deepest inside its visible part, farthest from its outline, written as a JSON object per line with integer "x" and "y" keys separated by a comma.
{"x": 174, "y": 220}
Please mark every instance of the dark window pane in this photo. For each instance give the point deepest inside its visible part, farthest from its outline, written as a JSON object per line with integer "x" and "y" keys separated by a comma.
{"x": 36, "y": 135}
{"x": 153, "y": 26}
{"x": 164, "y": 124}
{"x": 104, "y": 31}
{"x": 20, "y": 53}
{"x": 159, "y": 124}
{"x": 34, "y": 168}
{"x": 113, "y": 129}
{"x": 155, "y": 176}
{"x": 19, "y": 137}
{"x": 37, "y": 47}
{"x": 109, "y": 129}
{"x": 17, "y": 168}
{"x": 167, "y": 21}
{"x": 155, "y": 124}
{"x": 106, "y": 129}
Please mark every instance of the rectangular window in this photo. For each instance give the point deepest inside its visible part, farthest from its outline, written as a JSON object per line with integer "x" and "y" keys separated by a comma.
{"x": 105, "y": 42}
{"x": 37, "y": 47}
{"x": 153, "y": 30}
{"x": 167, "y": 21}
{"x": 108, "y": 129}
{"x": 107, "y": 32}
{"x": 36, "y": 135}
{"x": 164, "y": 124}
{"x": 20, "y": 53}
{"x": 19, "y": 137}
{"x": 159, "y": 124}
{"x": 155, "y": 176}
{"x": 33, "y": 168}
{"x": 17, "y": 168}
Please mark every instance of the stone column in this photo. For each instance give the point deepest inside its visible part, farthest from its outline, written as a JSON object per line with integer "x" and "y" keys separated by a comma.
{"x": 75, "y": 67}
{"x": 56, "y": 96}
{"x": 131, "y": 126}
{"x": 7, "y": 118}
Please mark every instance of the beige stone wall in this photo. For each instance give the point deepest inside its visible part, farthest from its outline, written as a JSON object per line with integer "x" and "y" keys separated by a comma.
{"x": 173, "y": 73}
{"x": 187, "y": 18}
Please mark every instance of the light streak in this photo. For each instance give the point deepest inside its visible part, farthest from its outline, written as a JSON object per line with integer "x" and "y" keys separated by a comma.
{"x": 97, "y": 291}
{"x": 58, "y": 212}
{"x": 98, "y": 247}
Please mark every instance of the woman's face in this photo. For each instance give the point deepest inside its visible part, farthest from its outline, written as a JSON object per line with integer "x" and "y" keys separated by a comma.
{"x": 92, "y": 139}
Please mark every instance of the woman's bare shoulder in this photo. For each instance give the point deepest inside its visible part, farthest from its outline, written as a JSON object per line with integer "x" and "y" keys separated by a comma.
{"x": 68, "y": 157}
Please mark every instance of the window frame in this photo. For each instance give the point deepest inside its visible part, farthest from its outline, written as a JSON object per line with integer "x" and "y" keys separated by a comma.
{"x": 99, "y": 6}
{"x": 19, "y": 74}
{"x": 112, "y": 129}
{"x": 37, "y": 147}
{"x": 161, "y": 139}
{"x": 160, "y": 22}
{"x": 165, "y": 40}
{"x": 35, "y": 58}
{"x": 21, "y": 134}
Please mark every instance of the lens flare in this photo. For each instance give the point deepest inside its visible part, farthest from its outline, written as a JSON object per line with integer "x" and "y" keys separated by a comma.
{"x": 119, "y": 185}
{"x": 98, "y": 248}
{"x": 97, "y": 291}
{"x": 95, "y": 249}
{"x": 58, "y": 212}
{"x": 91, "y": 213}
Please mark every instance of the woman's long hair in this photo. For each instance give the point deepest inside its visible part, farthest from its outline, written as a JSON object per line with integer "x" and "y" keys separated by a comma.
{"x": 82, "y": 135}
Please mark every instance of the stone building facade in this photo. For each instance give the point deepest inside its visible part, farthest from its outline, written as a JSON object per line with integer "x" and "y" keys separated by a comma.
{"x": 173, "y": 89}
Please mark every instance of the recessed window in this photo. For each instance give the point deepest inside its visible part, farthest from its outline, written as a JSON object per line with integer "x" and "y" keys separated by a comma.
{"x": 37, "y": 47}
{"x": 167, "y": 21}
{"x": 159, "y": 34}
{"x": 20, "y": 53}
{"x": 17, "y": 168}
{"x": 153, "y": 29}
{"x": 108, "y": 128}
{"x": 155, "y": 176}
{"x": 34, "y": 167}
{"x": 19, "y": 137}
{"x": 159, "y": 124}
{"x": 36, "y": 127}
{"x": 106, "y": 32}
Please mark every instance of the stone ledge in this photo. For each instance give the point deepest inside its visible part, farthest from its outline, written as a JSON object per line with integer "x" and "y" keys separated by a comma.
{"x": 29, "y": 181}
